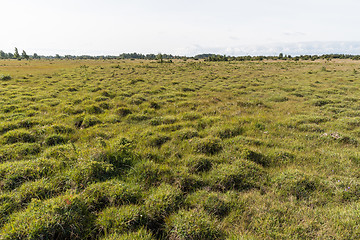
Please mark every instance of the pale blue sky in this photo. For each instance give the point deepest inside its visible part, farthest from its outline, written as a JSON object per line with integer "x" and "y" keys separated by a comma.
{"x": 181, "y": 27}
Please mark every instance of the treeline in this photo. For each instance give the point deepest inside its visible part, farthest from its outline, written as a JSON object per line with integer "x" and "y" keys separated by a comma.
{"x": 161, "y": 57}
{"x": 24, "y": 55}
{"x": 217, "y": 58}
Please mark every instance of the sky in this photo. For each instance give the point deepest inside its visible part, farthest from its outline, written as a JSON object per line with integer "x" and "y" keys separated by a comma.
{"x": 180, "y": 27}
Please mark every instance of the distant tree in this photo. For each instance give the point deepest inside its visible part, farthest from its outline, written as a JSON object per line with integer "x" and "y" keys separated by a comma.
{"x": 57, "y": 56}
{"x": 24, "y": 55}
{"x": 281, "y": 56}
{"x": 16, "y": 54}
{"x": 160, "y": 57}
{"x": 35, "y": 56}
{"x": 2, "y": 54}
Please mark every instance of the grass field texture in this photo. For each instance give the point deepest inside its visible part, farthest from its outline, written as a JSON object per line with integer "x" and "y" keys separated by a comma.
{"x": 115, "y": 149}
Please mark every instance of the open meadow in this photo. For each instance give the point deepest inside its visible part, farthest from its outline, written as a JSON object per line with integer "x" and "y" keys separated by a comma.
{"x": 115, "y": 149}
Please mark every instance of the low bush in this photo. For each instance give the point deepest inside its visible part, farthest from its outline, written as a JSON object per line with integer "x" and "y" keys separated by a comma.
{"x": 5, "y": 77}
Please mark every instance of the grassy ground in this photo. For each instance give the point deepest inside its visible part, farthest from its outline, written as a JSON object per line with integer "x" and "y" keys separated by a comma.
{"x": 182, "y": 150}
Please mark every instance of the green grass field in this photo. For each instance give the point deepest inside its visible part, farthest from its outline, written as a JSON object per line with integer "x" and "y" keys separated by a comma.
{"x": 116, "y": 149}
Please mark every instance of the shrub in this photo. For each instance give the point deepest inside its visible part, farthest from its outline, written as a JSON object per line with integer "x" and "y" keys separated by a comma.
{"x": 122, "y": 219}
{"x": 240, "y": 175}
{"x": 111, "y": 193}
{"x": 18, "y": 135}
{"x": 64, "y": 217}
{"x": 208, "y": 145}
{"x": 193, "y": 224}
{"x": 5, "y": 77}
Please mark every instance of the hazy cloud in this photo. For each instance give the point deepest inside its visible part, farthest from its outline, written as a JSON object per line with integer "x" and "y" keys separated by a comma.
{"x": 294, "y": 49}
